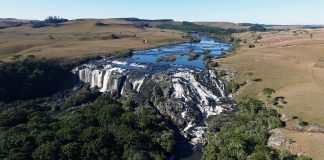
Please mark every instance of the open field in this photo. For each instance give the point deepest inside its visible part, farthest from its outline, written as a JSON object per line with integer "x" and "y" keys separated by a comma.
{"x": 82, "y": 38}
{"x": 292, "y": 63}
{"x": 311, "y": 144}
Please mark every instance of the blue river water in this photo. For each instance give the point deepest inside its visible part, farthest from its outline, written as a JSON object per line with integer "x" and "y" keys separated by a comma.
{"x": 181, "y": 52}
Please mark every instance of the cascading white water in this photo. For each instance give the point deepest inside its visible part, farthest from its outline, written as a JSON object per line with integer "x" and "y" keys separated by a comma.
{"x": 100, "y": 78}
{"x": 185, "y": 85}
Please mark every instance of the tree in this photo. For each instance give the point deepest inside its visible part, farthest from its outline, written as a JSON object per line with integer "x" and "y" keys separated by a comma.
{"x": 47, "y": 151}
{"x": 71, "y": 151}
{"x": 16, "y": 57}
{"x": 257, "y": 28}
{"x": 267, "y": 92}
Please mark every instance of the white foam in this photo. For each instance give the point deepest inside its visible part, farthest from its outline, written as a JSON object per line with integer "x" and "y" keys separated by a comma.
{"x": 137, "y": 84}
{"x": 137, "y": 65}
{"x": 119, "y": 62}
{"x": 202, "y": 92}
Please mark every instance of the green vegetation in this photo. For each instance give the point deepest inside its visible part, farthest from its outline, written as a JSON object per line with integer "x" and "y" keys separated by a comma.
{"x": 30, "y": 78}
{"x": 245, "y": 135}
{"x": 267, "y": 92}
{"x": 209, "y": 63}
{"x": 191, "y": 27}
{"x": 100, "y": 23}
{"x": 166, "y": 59}
{"x": 231, "y": 87}
{"x": 251, "y": 45}
{"x": 100, "y": 130}
{"x": 193, "y": 56}
{"x": 123, "y": 54}
{"x": 258, "y": 28}
{"x": 51, "y": 20}
{"x": 54, "y": 20}
{"x": 303, "y": 123}
{"x": 206, "y": 52}
{"x": 80, "y": 97}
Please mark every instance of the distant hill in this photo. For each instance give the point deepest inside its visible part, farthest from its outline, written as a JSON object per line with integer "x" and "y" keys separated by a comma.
{"x": 146, "y": 20}
{"x": 12, "y": 22}
{"x": 228, "y": 25}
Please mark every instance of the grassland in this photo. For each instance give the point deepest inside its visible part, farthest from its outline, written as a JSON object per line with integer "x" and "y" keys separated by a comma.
{"x": 292, "y": 63}
{"x": 80, "y": 39}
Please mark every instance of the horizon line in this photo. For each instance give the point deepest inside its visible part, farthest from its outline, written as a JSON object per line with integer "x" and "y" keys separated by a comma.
{"x": 175, "y": 20}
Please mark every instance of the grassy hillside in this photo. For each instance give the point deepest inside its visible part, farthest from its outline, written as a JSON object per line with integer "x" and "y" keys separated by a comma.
{"x": 11, "y": 22}
{"x": 291, "y": 62}
{"x": 82, "y": 38}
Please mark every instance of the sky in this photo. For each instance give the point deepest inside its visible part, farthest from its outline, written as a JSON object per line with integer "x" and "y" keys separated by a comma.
{"x": 240, "y": 11}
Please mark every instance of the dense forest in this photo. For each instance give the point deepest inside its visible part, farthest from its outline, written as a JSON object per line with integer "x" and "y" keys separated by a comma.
{"x": 104, "y": 129}
{"x": 31, "y": 78}
{"x": 221, "y": 33}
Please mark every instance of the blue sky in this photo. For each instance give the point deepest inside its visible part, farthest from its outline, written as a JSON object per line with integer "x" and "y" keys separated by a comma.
{"x": 253, "y": 11}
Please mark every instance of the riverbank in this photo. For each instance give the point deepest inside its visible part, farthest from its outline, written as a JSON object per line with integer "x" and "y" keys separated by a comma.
{"x": 290, "y": 62}
{"x": 81, "y": 39}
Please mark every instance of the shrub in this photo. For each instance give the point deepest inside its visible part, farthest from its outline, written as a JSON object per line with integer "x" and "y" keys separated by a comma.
{"x": 285, "y": 155}
{"x": 100, "y": 23}
{"x": 206, "y": 51}
{"x": 303, "y": 157}
{"x": 166, "y": 59}
{"x": 208, "y": 57}
{"x": 193, "y": 56}
{"x": 231, "y": 87}
{"x": 257, "y": 79}
{"x": 251, "y": 45}
{"x": 114, "y": 36}
{"x": 259, "y": 37}
{"x": 123, "y": 54}
{"x": 303, "y": 123}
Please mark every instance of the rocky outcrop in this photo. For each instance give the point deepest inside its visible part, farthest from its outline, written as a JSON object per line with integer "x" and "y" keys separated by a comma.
{"x": 187, "y": 96}
{"x": 277, "y": 138}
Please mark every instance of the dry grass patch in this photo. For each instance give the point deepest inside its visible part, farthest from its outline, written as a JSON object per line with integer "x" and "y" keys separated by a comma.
{"x": 310, "y": 144}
